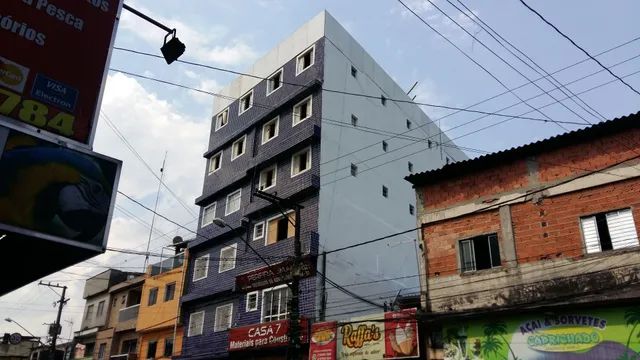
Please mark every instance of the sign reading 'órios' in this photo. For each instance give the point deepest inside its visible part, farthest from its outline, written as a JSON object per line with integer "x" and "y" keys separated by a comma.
{"x": 52, "y": 73}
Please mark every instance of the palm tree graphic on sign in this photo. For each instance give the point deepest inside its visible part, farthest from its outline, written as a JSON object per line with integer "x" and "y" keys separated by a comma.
{"x": 491, "y": 344}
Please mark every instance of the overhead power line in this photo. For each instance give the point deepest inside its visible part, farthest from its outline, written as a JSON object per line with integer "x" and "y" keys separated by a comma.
{"x": 578, "y": 46}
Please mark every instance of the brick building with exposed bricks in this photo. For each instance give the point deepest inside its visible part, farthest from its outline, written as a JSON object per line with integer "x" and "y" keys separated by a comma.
{"x": 532, "y": 252}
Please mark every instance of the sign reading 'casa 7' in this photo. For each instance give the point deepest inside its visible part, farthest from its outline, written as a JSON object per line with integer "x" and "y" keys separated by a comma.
{"x": 271, "y": 334}
{"x": 52, "y": 67}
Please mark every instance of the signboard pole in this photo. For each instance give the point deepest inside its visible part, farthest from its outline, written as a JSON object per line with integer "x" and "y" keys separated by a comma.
{"x": 56, "y": 325}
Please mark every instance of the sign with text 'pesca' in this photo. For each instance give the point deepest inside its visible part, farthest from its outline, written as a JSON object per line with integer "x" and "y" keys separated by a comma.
{"x": 53, "y": 63}
{"x": 281, "y": 272}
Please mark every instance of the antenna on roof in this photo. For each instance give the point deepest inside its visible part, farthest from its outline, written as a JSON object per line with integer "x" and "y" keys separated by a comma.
{"x": 412, "y": 87}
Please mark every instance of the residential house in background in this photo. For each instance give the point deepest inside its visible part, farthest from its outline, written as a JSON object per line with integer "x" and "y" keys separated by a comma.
{"x": 295, "y": 133}
{"x": 533, "y": 252}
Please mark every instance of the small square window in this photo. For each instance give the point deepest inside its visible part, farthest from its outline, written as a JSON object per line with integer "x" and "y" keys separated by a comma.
{"x": 208, "y": 214}
{"x": 410, "y": 166}
{"x": 354, "y": 71}
{"x": 168, "y": 347}
{"x": 609, "y": 231}
{"x": 246, "y": 102}
{"x": 412, "y": 209}
{"x": 383, "y": 100}
{"x": 354, "y": 170}
{"x": 227, "y": 258}
{"x": 274, "y": 82}
{"x": 268, "y": 178}
{"x": 200, "y": 267}
{"x": 252, "y": 301}
{"x": 196, "y": 323}
{"x": 301, "y": 162}
{"x": 305, "y": 60}
{"x": 270, "y": 130}
{"x": 385, "y": 146}
{"x": 409, "y": 124}
{"x": 224, "y": 316}
{"x": 153, "y": 296}
{"x": 479, "y": 253}
{"x": 222, "y": 119}
{"x": 238, "y": 147}
{"x": 302, "y": 111}
{"x": 233, "y": 202}
{"x": 354, "y": 120}
{"x": 169, "y": 291}
{"x": 385, "y": 191}
{"x": 215, "y": 162}
{"x": 258, "y": 231}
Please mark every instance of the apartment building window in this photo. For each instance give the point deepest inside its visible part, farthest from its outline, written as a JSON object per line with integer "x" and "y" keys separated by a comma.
{"x": 101, "y": 350}
{"x": 208, "y": 214}
{"x": 100, "y": 310}
{"x": 151, "y": 350}
{"x": 129, "y": 346}
{"x": 215, "y": 162}
{"x": 301, "y": 162}
{"x": 233, "y": 202}
{"x": 409, "y": 124}
{"x": 280, "y": 228}
{"x": 274, "y": 82}
{"x": 385, "y": 146}
{"x": 201, "y": 267}
{"x": 479, "y": 253}
{"x": 305, "y": 60}
{"x": 410, "y": 166}
{"x": 246, "y": 102}
{"x": 354, "y": 120}
{"x": 270, "y": 130}
{"x": 354, "y": 71}
{"x": 267, "y": 178}
{"x": 252, "y": 301}
{"x": 153, "y": 296}
{"x": 383, "y": 100}
{"x": 196, "y": 323}
{"x": 354, "y": 170}
{"x": 168, "y": 347}
{"x": 222, "y": 119}
{"x": 224, "y": 315}
{"x": 258, "y": 231}
{"x": 385, "y": 191}
{"x": 609, "y": 231}
{"x": 275, "y": 303}
{"x": 238, "y": 147}
{"x": 169, "y": 291}
{"x": 90, "y": 312}
{"x": 227, "y": 258}
{"x": 412, "y": 209}
{"x": 302, "y": 111}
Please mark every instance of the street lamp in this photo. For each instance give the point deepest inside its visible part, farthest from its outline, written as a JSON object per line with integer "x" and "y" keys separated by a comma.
{"x": 10, "y": 320}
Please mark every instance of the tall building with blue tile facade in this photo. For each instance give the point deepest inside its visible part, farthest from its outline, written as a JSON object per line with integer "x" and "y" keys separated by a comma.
{"x": 294, "y": 132}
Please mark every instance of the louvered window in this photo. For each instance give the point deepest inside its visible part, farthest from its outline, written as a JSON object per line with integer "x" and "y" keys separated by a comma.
{"x": 609, "y": 231}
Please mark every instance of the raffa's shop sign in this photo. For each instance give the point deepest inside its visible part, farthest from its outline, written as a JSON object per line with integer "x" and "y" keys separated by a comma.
{"x": 53, "y": 62}
{"x": 271, "y": 334}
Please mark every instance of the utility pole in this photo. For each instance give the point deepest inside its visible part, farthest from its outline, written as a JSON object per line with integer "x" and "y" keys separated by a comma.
{"x": 56, "y": 325}
{"x": 294, "y": 351}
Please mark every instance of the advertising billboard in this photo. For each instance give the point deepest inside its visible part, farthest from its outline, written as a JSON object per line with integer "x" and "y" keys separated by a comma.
{"x": 52, "y": 73}
{"x": 589, "y": 335}
{"x": 277, "y": 273}
{"x": 265, "y": 335}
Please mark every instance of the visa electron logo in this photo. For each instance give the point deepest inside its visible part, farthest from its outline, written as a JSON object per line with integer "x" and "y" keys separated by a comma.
{"x": 12, "y": 75}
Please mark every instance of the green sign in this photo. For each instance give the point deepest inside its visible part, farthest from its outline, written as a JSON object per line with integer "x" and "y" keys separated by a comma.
{"x": 595, "y": 334}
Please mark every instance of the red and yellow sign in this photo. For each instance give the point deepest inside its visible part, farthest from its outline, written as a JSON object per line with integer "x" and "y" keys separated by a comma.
{"x": 266, "y": 335}
{"x": 322, "y": 345}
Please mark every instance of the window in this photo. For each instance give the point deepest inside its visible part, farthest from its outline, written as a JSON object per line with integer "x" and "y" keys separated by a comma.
{"x": 301, "y": 162}
{"x": 383, "y": 100}
{"x": 385, "y": 146}
{"x": 89, "y": 312}
{"x": 354, "y": 71}
{"x": 412, "y": 209}
{"x": 153, "y": 296}
{"x": 215, "y": 162}
{"x": 222, "y": 119}
{"x": 129, "y": 346}
{"x": 169, "y": 291}
{"x": 385, "y": 191}
{"x": 305, "y": 60}
{"x": 267, "y": 178}
{"x": 280, "y": 228}
{"x": 224, "y": 315}
{"x": 479, "y": 253}
{"x": 208, "y": 214}
{"x": 201, "y": 267}
{"x": 609, "y": 231}
{"x": 151, "y": 349}
{"x": 354, "y": 120}
{"x": 101, "y": 350}
{"x": 410, "y": 166}
{"x": 270, "y": 130}
{"x": 196, "y": 323}
{"x": 227, "y": 258}
{"x": 302, "y": 111}
{"x": 168, "y": 347}
{"x": 274, "y": 82}
{"x": 238, "y": 147}
{"x": 258, "y": 231}
{"x": 429, "y": 144}
{"x": 252, "y": 301}
{"x": 246, "y": 102}
{"x": 89, "y": 349}
{"x": 409, "y": 124}
{"x": 100, "y": 309}
{"x": 275, "y": 303}
{"x": 115, "y": 301}
{"x": 233, "y": 202}
{"x": 354, "y": 170}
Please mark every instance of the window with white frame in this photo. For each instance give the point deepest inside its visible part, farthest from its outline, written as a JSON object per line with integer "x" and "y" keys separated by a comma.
{"x": 274, "y": 82}
{"x": 609, "y": 231}
{"x": 301, "y": 162}
{"x": 275, "y": 303}
{"x": 227, "y": 258}
{"x": 305, "y": 60}
{"x": 208, "y": 214}
{"x": 233, "y": 202}
{"x": 196, "y": 323}
{"x": 215, "y": 162}
{"x": 252, "y": 301}
{"x": 246, "y": 102}
{"x": 238, "y": 147}
{"x": 268, "y": 178}
{"x": 224, "y": 316}
{"x": 479, "y": 253}
{"x": 258, "y": 231}
{"x": 201, "y": 267}
{"x": 270, "y": 130}
{"x": 222, "y": 119}
{"x": 302, "y": 111}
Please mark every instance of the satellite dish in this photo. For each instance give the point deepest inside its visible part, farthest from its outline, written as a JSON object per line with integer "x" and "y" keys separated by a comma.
{"x": 177, "y": 240}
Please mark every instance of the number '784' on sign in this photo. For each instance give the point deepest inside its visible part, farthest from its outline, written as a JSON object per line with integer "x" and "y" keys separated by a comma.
{"x": 35, "y": 113}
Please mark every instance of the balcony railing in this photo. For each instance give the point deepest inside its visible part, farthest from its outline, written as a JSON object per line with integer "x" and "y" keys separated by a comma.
{"x": 128, "y": 313}
{"x": 167, "y": 265}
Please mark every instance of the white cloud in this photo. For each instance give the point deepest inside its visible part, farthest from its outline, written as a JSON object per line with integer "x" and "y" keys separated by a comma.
{"x": 440, "y": 22}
